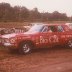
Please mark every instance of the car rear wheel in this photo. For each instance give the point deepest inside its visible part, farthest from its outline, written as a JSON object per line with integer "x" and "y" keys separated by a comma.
{"x": 70, "y": 43}
{"x": 25, "y": 48}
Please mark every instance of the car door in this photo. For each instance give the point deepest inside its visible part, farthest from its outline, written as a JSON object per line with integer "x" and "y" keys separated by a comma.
{"x": 61, "y": 34}
{"x": 48, "y": 36}
{"x": 65, "y": 35}
{"x": 54, "y": 37}
{"x": 44, "y": 37}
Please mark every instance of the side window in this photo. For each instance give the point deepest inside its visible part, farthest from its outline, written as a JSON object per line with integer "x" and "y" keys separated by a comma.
{"x": 60, "y": 29}
{"x": 66, "y": 28}
{"x": 70, "y": 26}
{"x": 45, "y": 29}
{"x": 53, "y": 28}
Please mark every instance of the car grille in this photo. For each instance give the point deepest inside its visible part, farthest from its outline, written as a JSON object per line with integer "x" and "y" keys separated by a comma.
{"x": 0, "y": 40}
{"x": 3, "y": 40}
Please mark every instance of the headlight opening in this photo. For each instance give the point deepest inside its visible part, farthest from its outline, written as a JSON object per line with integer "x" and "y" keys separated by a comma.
{"x": 12, "y": 40}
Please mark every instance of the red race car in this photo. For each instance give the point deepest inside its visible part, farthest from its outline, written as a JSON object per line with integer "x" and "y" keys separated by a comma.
{"x": 39, "y": 36}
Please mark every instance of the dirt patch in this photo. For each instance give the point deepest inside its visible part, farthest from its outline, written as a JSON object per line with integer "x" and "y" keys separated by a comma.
{"x": 40, "y": 60}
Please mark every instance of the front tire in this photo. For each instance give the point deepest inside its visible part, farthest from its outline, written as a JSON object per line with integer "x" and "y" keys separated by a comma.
{"x": 25, "y": 48}
{"x": 70, "y": 43}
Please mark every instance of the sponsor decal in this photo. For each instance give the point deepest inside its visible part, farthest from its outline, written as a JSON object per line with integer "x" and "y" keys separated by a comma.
{"x": 43, "y": 40}
{"x": 51, "y": 39}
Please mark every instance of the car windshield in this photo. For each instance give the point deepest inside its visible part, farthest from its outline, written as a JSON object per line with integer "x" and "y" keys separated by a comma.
{"x": 36, "y": 28}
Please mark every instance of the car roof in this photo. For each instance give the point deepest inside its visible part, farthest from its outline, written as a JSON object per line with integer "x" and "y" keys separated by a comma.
{"x": 50, "y": 24}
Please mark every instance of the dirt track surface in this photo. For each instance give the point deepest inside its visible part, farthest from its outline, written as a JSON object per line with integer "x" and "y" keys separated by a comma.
{"x": 40, "y": 60}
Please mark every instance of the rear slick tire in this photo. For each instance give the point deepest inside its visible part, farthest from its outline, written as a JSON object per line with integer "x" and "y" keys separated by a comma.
{"x": 70, "y": 43}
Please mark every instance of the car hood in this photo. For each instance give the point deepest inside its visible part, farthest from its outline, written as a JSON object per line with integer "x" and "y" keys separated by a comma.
{"x": 26, "y": 34}
{"x": 9, "y": 35}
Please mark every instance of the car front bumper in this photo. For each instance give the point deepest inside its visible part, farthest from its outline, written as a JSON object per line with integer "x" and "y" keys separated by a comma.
{"x": 9, "y": 45}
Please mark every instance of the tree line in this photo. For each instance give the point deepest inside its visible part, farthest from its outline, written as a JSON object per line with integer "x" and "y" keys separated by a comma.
{"x": 21, "y": 13}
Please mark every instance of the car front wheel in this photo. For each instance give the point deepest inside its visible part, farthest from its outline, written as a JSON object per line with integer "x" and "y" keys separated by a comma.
{"x": 25, "y": 48}
{"x": 70, "y": 43}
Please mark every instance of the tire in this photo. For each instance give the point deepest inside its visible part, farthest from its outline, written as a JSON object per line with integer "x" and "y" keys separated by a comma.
{"x": 25, "y": 48}
{"x": 70, "y": 43}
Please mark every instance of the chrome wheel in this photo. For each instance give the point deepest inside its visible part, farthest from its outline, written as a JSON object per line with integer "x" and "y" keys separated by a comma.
{"x": 70, "y": 43}
{"x": 26, "y": 48}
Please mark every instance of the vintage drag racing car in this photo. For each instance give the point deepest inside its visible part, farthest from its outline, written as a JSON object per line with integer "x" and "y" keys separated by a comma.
{"x": 39, "y": 36}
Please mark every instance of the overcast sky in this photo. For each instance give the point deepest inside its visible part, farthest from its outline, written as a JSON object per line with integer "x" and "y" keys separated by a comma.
{"x": 62, "y": 6}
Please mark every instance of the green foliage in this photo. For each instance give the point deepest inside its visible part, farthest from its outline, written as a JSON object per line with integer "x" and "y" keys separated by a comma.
{"x": 18, "y": 13}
